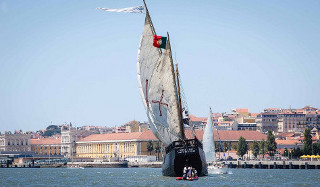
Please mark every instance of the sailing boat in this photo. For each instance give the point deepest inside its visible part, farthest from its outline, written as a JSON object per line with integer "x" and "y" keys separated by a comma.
{"x": 209, "y": 149}
{"x": 160, "y": 91}
{"x": 208, "y": 141}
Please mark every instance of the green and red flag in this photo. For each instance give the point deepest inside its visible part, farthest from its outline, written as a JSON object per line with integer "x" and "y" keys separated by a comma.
{"x": 159, "y": 41}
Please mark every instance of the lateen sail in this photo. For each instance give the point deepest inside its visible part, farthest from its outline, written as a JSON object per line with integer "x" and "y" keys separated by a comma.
{"x": 158, "y": 87}
{"x": 208, "y": 141}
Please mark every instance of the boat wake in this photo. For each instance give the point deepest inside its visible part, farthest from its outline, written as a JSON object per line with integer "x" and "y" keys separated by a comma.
{"x": 220, "y": 172}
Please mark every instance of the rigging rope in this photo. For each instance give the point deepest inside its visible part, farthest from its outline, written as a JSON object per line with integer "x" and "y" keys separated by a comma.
{"x": 224, "y": 155}
{"x": 185, "y": 108}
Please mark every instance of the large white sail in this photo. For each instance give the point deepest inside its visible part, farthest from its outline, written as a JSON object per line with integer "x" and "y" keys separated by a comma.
{"x": 158, "y": 87}
{"x": 208, "y": 141}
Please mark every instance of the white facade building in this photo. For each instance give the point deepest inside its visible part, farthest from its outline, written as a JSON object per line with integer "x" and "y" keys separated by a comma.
{"x": 15, "y": 142}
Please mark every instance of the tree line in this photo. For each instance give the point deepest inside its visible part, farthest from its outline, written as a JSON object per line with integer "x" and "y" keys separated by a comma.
{"x": 270, "y": 147}
{"x": 263, "y": 147}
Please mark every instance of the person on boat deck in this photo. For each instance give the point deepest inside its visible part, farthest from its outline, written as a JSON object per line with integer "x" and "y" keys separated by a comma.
{"x": 195, "y": 173}
{"x": 184, "y": 172}
{"x": 189, "y": 172}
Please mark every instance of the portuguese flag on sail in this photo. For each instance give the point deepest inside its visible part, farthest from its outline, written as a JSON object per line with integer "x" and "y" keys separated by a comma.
{"x": 159, "y": 41}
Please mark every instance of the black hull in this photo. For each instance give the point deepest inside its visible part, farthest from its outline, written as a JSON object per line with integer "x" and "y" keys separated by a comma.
{"x": 182, "y": 153}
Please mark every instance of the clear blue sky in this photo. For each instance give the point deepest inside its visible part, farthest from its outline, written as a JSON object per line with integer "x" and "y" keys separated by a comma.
{"x": 65, "y": 61}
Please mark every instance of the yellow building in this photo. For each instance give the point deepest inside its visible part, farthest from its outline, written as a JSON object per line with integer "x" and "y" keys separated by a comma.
{"x": 46, "y": 146}
{"x": 116, "y": 145}
{"x": 123, "y": 145}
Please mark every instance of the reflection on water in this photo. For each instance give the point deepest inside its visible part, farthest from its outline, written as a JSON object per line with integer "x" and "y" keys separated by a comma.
{"x": 152, "y": 177}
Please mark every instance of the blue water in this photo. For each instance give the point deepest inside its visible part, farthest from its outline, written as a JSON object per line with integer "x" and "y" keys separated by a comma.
{"x": 153, "y": 177}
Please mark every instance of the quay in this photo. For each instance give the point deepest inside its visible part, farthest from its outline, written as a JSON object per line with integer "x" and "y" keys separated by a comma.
{"x": 270, "y": 164}
{"x": 122, "y": 164}
{"x": 145, "y": 164}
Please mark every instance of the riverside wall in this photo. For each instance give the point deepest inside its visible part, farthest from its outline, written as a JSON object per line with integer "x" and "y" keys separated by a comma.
{"x": 288, "y": 164}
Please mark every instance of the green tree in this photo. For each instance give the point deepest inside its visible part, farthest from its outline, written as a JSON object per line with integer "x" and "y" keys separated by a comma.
{"x": 262, "y": 147}
{"x": 217, "y": 146}
{"x": 242, "y": 147}
{"x": 150, "y": 146}
{"x": 52, "y": 130}
{"x": 157, "y": 148}
{"x": 296, "y": 153}
{"x": 316, "y": 148}
{"x": 286, "y": 152}
{"x": 255, "y": 148}
{"x": 271, "y": 144}
{"x": 307, "y": 142}
{"x": 225, "y": 146}
{"x": 235, "y": 146}
{"x": 299, "y": 152}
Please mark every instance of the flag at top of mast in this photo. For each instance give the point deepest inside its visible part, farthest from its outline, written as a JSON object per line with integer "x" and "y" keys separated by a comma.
{"x": 159, "y": 41}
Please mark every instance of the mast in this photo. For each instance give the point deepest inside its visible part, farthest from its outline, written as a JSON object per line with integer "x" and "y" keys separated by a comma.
{"x": 180, "y": 106}
{"x": 219, "y": 139}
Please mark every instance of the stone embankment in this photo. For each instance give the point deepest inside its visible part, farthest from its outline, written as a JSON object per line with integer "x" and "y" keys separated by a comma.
{"x": 123, "y": 164}
{"x": 145, "y": 164}
{"x": 288, "y": 164}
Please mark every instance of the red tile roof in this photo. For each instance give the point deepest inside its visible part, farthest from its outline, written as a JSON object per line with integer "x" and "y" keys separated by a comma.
{"x": 254, "y": 114}
{"x": 230, "y": 123}
{"x": 286, "y": 134}
{"x": 146, "y": 135}
{"x": 242, "y": 110}
{"x": 45, "y": 141}
{"x": 312, "y": 112}
{"x": 194, "y": 118}
{"x": 287, "y": 142}
{"x": 230, "y": 135}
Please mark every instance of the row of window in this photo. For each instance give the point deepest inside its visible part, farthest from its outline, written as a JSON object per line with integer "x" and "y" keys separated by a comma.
{"x": 105, "y": 148}
{"x": 17, "y": 142}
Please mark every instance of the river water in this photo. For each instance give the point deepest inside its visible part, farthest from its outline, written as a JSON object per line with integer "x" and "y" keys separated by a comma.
{"x": 153, "y": 177}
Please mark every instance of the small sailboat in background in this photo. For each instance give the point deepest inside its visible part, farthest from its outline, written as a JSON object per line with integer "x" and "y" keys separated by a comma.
{"x": 214, "y": 167}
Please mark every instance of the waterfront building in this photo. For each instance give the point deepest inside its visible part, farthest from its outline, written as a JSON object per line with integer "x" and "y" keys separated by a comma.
{"x": 198, "y": 122}
{"x": 118, "y": 129}
{"x": 46, "y": 146}
{"x": 290, "y": 121}
{"x": 130, "y": 145}
{"x": 17, "y": 142}
{"x": 254, "y": 115}
{"x": 272, "y": 110}
{"x": 116, "y": 145}
{"x": 246, "y": 123}
{"x": 267, "y": 121}
{"x": 68, "y": 140}
{"x": 245, "y": 126}
{"x": 231, "y": 138}
{"x": 312, "y": 120}
{"x": 289, "y": 144}
{"x": 224, "y": 125}
{"x": 69, "y": 136}
{"x": 136, "y": 126}
{"x": 242, "y": 112}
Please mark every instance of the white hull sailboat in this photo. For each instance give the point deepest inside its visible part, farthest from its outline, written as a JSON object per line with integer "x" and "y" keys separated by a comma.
{"x": 209, "y": 149}
{"x": 160, "y": 91}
